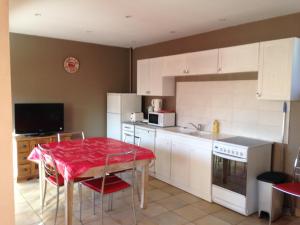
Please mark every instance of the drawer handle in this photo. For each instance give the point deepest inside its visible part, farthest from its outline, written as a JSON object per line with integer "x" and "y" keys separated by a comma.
{"x": 24, "y": 146}
{"x": 24, "y": 158}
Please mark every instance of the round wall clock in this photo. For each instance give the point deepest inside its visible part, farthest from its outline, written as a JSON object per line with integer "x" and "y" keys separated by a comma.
{"x": 71, "y": 64}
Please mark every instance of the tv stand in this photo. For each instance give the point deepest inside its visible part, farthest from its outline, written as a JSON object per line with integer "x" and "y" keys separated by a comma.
{"x": 24, "y": 145}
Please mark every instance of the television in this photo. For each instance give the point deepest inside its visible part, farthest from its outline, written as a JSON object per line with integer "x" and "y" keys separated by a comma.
{"x": 39, "y": 118}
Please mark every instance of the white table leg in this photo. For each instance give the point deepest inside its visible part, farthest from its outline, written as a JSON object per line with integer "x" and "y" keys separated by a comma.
{"x": 68, "y": 202}
{"x": 144, "y": 186}
{"x": 41, "y": 181}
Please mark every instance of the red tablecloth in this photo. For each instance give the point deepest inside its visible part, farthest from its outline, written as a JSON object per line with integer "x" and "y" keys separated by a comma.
{"x": 75, "y": 157}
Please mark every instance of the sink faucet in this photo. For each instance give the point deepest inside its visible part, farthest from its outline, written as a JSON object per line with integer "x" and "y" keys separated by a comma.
{"x": 198, "y": 127}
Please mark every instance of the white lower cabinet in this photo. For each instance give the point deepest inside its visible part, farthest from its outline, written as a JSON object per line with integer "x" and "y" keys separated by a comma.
{"x": 185, "y": 162}
{"x": 147, "y": 140}
{"x": 180, "y": 162}
{"x": 163, "y": 157}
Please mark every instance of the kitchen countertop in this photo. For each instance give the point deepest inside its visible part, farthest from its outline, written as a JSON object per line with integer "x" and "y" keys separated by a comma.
{"x": 184, "y": 131}
{"x": 196, "y": 133}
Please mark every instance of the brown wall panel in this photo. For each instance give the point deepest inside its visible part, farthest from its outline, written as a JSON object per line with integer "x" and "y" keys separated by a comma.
{"x": 38, "y": 75}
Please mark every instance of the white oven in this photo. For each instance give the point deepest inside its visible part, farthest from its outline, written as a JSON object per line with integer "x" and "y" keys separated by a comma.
{"x": 237, "y": 161}
{"x": 161, "y": 119}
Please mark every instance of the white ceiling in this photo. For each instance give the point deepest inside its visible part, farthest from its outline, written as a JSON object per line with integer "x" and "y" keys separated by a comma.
{"x": 151, "y": 21}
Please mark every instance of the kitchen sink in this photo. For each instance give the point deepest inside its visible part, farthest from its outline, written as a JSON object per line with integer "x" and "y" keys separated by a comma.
{"x": 189, "y": 131}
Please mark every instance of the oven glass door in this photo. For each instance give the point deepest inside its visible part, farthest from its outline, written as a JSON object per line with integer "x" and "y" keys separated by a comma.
{"x": 230, "y": 173}
{"x": 153, "y": 118}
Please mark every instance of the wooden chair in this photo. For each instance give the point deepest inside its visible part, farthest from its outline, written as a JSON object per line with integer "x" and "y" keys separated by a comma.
{"x": 74, "y": 136}
{"x": 108, "y": 184}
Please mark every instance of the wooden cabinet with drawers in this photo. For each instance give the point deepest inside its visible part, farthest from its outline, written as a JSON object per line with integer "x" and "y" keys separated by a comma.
{"x": 24, "y": 145}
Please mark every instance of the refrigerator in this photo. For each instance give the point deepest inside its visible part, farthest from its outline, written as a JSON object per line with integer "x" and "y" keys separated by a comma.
{"x": 119, "y": 108}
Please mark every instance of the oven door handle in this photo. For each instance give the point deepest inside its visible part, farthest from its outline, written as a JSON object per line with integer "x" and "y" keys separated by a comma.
{"x": 229, "y": 157}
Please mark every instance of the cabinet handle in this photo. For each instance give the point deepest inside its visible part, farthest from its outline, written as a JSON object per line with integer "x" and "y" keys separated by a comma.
{"x": 24, "y": 146}
{"x": 258, "y": 94}
{"x": 220, "y": 69}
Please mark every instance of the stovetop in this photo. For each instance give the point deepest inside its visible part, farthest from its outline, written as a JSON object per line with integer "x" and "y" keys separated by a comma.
{"x": 244, "y": 141}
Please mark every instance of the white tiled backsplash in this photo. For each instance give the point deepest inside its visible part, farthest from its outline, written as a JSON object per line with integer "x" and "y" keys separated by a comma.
{"x": 234, "y": 104}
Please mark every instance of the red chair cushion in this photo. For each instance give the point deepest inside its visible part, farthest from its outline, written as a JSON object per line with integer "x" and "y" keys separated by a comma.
{"x": 61, "y": 181}
{"x": 292, "y": 188}
{"x": 112, "y": 184}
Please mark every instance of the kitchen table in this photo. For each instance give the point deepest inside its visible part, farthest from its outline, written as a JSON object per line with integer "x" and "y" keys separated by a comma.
{"x": 86, "y": 158}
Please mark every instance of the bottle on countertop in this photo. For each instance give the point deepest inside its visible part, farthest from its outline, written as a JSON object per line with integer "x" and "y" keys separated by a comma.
{"x": 216, "y": 127}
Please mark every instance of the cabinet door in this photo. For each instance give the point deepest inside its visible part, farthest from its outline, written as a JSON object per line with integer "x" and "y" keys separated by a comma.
{"x": 180, "y": 161}
{"x": 201, "y": 170}
{"x": 155, "y": 77}
{"x": 143, "y": 77}
{"x": 147, "y": 140}
{"x": 203, "y": 62}
{"x": 275, "y": 70}
{"x": 242, "y": 58}
{"x": 163, "y": 156}
{"x": 174, "y": 65}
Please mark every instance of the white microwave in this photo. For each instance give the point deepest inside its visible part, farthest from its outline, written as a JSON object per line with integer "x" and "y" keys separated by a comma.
{"x": 161, "y": 119}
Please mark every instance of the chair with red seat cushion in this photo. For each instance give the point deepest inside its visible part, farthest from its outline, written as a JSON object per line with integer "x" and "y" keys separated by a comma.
{"x": 111, "y": 183}
{"x": 291, "y": 188}
{"x": 53, "y": 177}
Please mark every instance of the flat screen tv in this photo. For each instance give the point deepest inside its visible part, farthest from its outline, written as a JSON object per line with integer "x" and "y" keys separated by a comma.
{"x": 39, "y": 118}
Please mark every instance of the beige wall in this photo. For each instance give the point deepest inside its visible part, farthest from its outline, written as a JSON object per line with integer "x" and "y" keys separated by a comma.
{"x": 280, "y": 27}
{"x": 38, "y": 76}
{"x": 6, "y": 181}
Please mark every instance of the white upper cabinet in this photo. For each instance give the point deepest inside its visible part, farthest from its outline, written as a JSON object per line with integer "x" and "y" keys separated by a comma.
{"x": 174, "y": 65}
{"x": 236, "y": 59}
{"x": 204, "y": 62}
{"x": 150, "y": 80}
{"x": 279, "y": 70}
{"x": 143, "y": 77}
{"x": 194, "y": 63}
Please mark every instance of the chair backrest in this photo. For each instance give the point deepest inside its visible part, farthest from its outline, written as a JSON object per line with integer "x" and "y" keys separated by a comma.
{"x": 48, "y": 163}
{"x": 74, "y": 136}
{"x": 296, "y": 172}
{"x": 137, "y": 140}
{"x": 127, "y": 156}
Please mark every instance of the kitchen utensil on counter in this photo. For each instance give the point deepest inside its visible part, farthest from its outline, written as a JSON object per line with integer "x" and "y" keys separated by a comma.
{"x": 157, "y": 104}
{"x": 136, "y": 117}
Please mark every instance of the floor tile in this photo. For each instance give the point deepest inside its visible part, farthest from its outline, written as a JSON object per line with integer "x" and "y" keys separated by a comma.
{"x": 229, "y": 216}
{"x": 208, "y": 207}
{"x": 157, "y": 183}
{"x": 210, "y": 220}
{"x": 188, "y": 198}
{"x": 27, "y": 218}
{"x": 156, "y": 194}
{"x": 172, "y": 203}
{"x": 167, "y": 205}
{"x": 169, "y": 218}
{"x": 190, "y": 213}
{"x": 153, "y": 209}
{"x": 171, "y": 190}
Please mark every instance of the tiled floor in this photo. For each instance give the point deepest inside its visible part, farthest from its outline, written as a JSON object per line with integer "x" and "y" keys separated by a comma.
{"x": 167, "y": 206}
